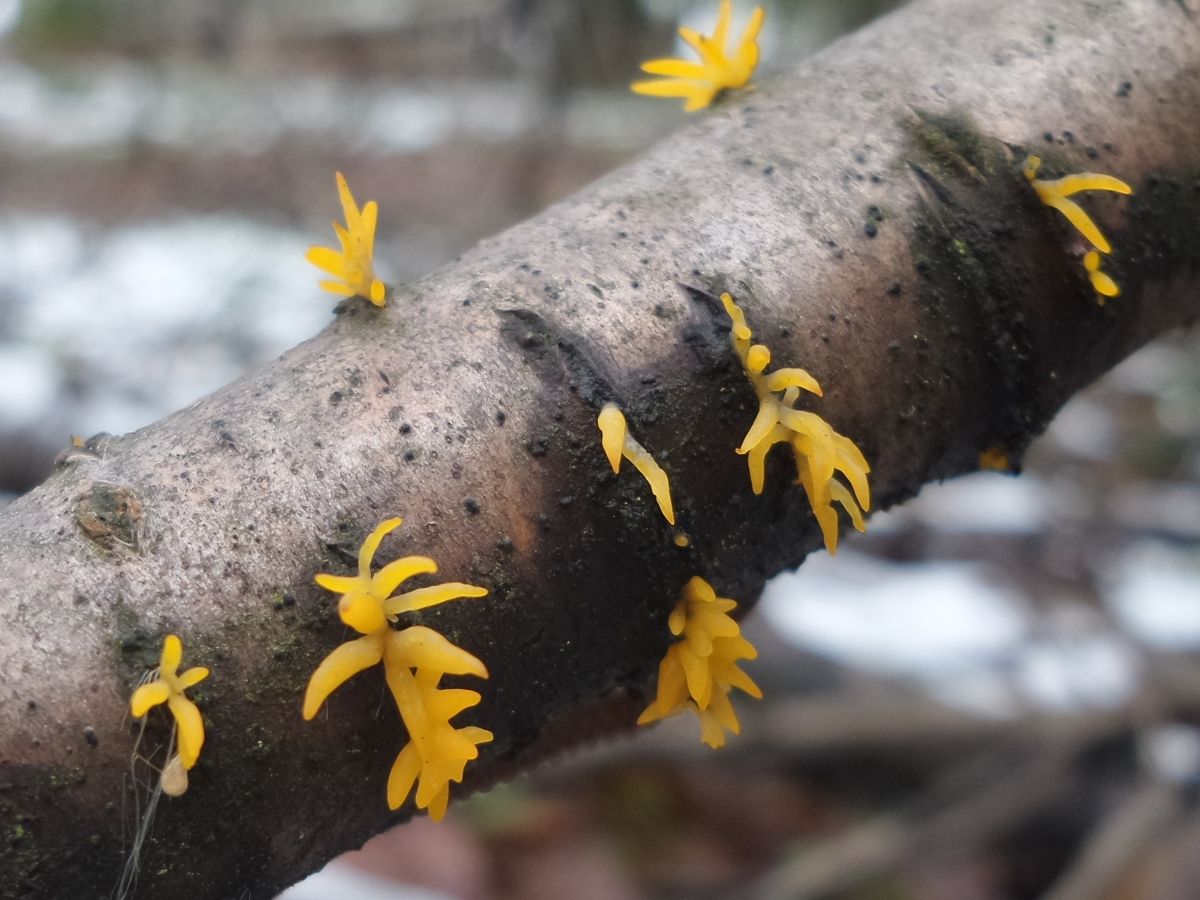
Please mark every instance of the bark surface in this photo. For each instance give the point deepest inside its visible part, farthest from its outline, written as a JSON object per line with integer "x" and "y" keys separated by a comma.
{"x": 866, "y": 208}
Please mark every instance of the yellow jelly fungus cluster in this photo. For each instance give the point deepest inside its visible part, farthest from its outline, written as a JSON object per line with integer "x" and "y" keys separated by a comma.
{"x": 168, "y": 687}
{"x": 699, "y": 83}
{"x": 820, "y": 451}
{"x": 700, "y": 670}
{"x": 618, "y": 442}
{"x": 1055, "y": 194}
{"x": 351, "y": 267}
{"x": 414, "y": 660}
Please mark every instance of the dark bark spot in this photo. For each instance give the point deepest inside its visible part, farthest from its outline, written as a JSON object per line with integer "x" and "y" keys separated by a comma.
{"x": 111, "y": 515}
{"x": 556, "y": 355}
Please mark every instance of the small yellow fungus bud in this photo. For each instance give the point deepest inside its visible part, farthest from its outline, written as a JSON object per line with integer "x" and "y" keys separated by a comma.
{"x": 613, "y": 431}
{"x": 820, "y": 452}
{"x": 741, "y": 331}
{"x": 414, "y": 660}
{"x": 1055, "y": 193}
{"x": 353, "y": 265}
{"x": 699, "y": 671}
{"x": 618, "y": 442}
{"x": 681, "y": 540}
{"x": 994, "y": 459}
{"x": 174, "y": 778}
{"x": 1102, "y": 283}
{"x": 168, "y": 687}
{"x": 362, "y": 612}
{"x": 699, "y": 83}
{"x": 758, "y": 358}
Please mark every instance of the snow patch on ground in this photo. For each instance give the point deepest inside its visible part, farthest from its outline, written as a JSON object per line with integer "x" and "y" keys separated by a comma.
{"x": 1154, "y": 590}
{"x": 983, "y": 502}
{"x": 110, "y": 330}
{"x": 956, "y": 628}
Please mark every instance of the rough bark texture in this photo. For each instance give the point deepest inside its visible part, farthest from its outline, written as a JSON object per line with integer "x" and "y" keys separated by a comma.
{"x": 964, "y": 323}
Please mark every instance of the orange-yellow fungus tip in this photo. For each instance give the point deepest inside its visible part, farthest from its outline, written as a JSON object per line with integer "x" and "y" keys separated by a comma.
{"x": 618, "y": 443}
{"x": 758, "y": 358}
{"x": 1102, "y": 283}
{"x": 613, "y": 429}
{"x": 719, "y": 68}
{"x": 993, "y": 459}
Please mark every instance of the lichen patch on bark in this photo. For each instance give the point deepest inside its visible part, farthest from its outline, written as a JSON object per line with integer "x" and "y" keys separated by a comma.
{"x": 111, "y": 515}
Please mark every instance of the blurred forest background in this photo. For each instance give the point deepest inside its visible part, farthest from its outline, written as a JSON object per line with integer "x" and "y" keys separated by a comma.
{"x": 994, "y": 694}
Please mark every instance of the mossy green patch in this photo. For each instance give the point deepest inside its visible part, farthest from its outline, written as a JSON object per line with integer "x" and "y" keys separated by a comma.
{"x": 952, "y": 142}
{"x": 971, "y": 288}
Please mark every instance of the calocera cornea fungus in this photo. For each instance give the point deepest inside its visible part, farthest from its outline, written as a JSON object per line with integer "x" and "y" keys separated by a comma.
{"x": 820, "y": 451}
{"x": 1055, "y": 194}
{"x": 352, "y": 267}
{"x": 993, "y": 459}
{"x": 168, "y": 686}
{"x": 618, "y": 443}
{"x": 699, "y": 83}
{"x": 699, "y": 671}
{"x": 414, "y": 660}
{"x": 1101, "y": 282}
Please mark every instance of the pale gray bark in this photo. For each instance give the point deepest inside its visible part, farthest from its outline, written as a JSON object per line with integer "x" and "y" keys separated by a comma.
{"x": 198, "y": 523}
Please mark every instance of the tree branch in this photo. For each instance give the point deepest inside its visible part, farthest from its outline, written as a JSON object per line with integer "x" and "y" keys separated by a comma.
{"x": 965, "y": 323}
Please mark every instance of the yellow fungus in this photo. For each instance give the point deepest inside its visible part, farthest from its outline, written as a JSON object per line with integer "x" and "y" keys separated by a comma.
{"x": 174, "y": 778}
{"x": 699, "y": 671}
{"x": 820, "y": 451}
{"x": 699, "y": 83}
{"x": 414, "y": 660}
{"x": 758, "y": 358}
{"x": 1055, "y": 193}
{"x": 168, "y": 687}
{"x": 994, "y": 459}
{"x": 441, "y": 752}
{"x": 618, "y": 442}
{"x": 1102, "y": 283}
{"x": 681, "y": 540}
{"x": 352, "y": 267}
